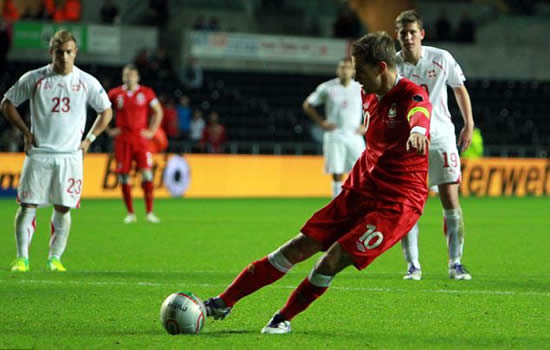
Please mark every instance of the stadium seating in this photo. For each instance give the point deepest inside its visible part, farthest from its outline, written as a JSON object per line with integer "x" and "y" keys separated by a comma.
{"x": 259, "y": 108}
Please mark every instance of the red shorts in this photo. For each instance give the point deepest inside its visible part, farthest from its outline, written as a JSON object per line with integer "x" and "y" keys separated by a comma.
{"x": 365, "y": 228}
{"x": 128, "y": 149}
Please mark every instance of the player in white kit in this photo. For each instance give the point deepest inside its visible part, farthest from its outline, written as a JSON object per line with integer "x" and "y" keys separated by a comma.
{"x": 343, "y": 140}
{"x": 434, "y": 69}
{"x": 52, "y": 170}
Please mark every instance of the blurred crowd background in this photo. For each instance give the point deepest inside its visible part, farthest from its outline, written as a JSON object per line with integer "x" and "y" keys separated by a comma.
{"x": 232, "y": 75}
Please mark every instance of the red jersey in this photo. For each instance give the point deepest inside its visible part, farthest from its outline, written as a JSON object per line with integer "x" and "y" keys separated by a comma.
{"x": 386, "y": 171}
{"x": 132, "y": 108}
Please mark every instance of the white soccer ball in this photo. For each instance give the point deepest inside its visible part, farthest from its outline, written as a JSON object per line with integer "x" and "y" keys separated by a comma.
{"x": 182, "y": 312}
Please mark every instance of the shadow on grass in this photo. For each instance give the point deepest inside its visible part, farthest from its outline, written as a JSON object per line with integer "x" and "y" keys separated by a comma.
{"x": 227, "y": 333}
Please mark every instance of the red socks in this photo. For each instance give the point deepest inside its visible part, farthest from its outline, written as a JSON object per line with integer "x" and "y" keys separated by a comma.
{"x": 301, "y": 298}
{"x": 147, "y": 187}
{"x": 127, "y": 195}
{"x": 148, "y": 195}
{"x": 255, "y": 276}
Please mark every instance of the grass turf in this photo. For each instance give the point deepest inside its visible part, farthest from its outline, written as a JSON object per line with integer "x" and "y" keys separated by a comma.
{"x": 118, "y": 275}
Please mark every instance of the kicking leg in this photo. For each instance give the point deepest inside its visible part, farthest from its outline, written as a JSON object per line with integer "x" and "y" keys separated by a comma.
{"x": 261, "y": 273}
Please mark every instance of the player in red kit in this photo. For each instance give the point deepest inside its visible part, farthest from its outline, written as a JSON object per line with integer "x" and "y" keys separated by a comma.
{"x": 132, "y": 103}
{"x": 381, "y": 200}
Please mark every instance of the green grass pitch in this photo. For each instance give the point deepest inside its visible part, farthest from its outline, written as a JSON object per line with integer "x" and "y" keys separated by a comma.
{"x": 118, "y": 275}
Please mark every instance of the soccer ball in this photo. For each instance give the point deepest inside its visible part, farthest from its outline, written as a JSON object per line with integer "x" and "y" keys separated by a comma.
{"x": 182, "y": 312}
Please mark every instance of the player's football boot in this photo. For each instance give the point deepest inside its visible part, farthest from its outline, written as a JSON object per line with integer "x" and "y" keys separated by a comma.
{"x": 54, "y": 264}
{"x": 130, "y": 218}
{"x": 414, "y": 274}
{"x": 151, "y": 217}
{"x": 277, "y": 325}
{"x": 215, "y": 307}
{"x": 20, "y": 265}
{"x": 459, "y": 272}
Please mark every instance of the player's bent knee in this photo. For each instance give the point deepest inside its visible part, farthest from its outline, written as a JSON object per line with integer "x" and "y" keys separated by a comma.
{"x": 334, "y": 261}
{"x": 300, "y": 248}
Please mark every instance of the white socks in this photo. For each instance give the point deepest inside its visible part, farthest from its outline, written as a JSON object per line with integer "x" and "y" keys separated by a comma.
{"x": 336, "y": 188}
{"x": 279, "y": 261}
{"x": 24, "y": 230}
{"x": 409, "y": 243}
{"x": 319, "y": 280}
{"x": 61, "y": 225}
{"x": 454, "y": 232}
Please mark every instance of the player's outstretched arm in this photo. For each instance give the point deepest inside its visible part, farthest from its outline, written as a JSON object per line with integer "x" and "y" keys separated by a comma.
{"x": 13, "y": 116}
{"x": 103, "y": 119}
{"x": 465, "y": 105}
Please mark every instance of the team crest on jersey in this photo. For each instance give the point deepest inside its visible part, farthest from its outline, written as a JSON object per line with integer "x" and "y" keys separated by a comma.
{"x": 76, "y": 87}
{"x": 392, "y": 113}
{"x": 392, "y": 122}
{"x": 140, "y": 98}
{"x": 431, "y": 74}
{"x": 366, "y": 105}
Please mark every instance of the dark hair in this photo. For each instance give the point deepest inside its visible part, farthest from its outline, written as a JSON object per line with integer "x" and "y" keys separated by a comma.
{"x": 406, "y": 17}
{"x": 375, "y": 47}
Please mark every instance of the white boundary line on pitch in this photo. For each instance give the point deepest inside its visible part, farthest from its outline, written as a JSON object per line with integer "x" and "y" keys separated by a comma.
{"x": 362, "y": 289}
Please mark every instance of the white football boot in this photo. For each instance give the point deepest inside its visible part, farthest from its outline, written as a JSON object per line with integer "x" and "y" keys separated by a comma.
{"x": 130, "y": 218}
{"x": 151, "y": 217}
{"x": 458, "y": 272}
{"x": 413, "y": 274}
{"x": 277, "y": 325}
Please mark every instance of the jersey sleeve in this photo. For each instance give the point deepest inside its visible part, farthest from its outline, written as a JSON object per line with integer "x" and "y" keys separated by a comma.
{"x": 112, "y": 95}
{"x": 152, "y": 97}
{"x": 22, "y": 90}
{"x": 455, "y": 76}
{"x": 419, "y": 112}
{"x": 318, "y": 97}
{"x": 97, "y": 97}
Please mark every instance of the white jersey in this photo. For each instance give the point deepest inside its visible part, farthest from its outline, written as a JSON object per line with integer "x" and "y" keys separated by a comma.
{"x": 343, "y": 105}
{"x": 58, "y": 106}
{"x": 435, "y": 69}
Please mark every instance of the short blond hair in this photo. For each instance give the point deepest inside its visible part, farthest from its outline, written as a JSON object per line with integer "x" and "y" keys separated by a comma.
{"x": 61, "y": 37}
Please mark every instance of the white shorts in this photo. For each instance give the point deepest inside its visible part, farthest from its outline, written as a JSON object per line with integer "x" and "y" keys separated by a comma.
{"x": 444, "y": 164}
{"x": 51, "y": 179}
{"x": 341, "y": 152}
